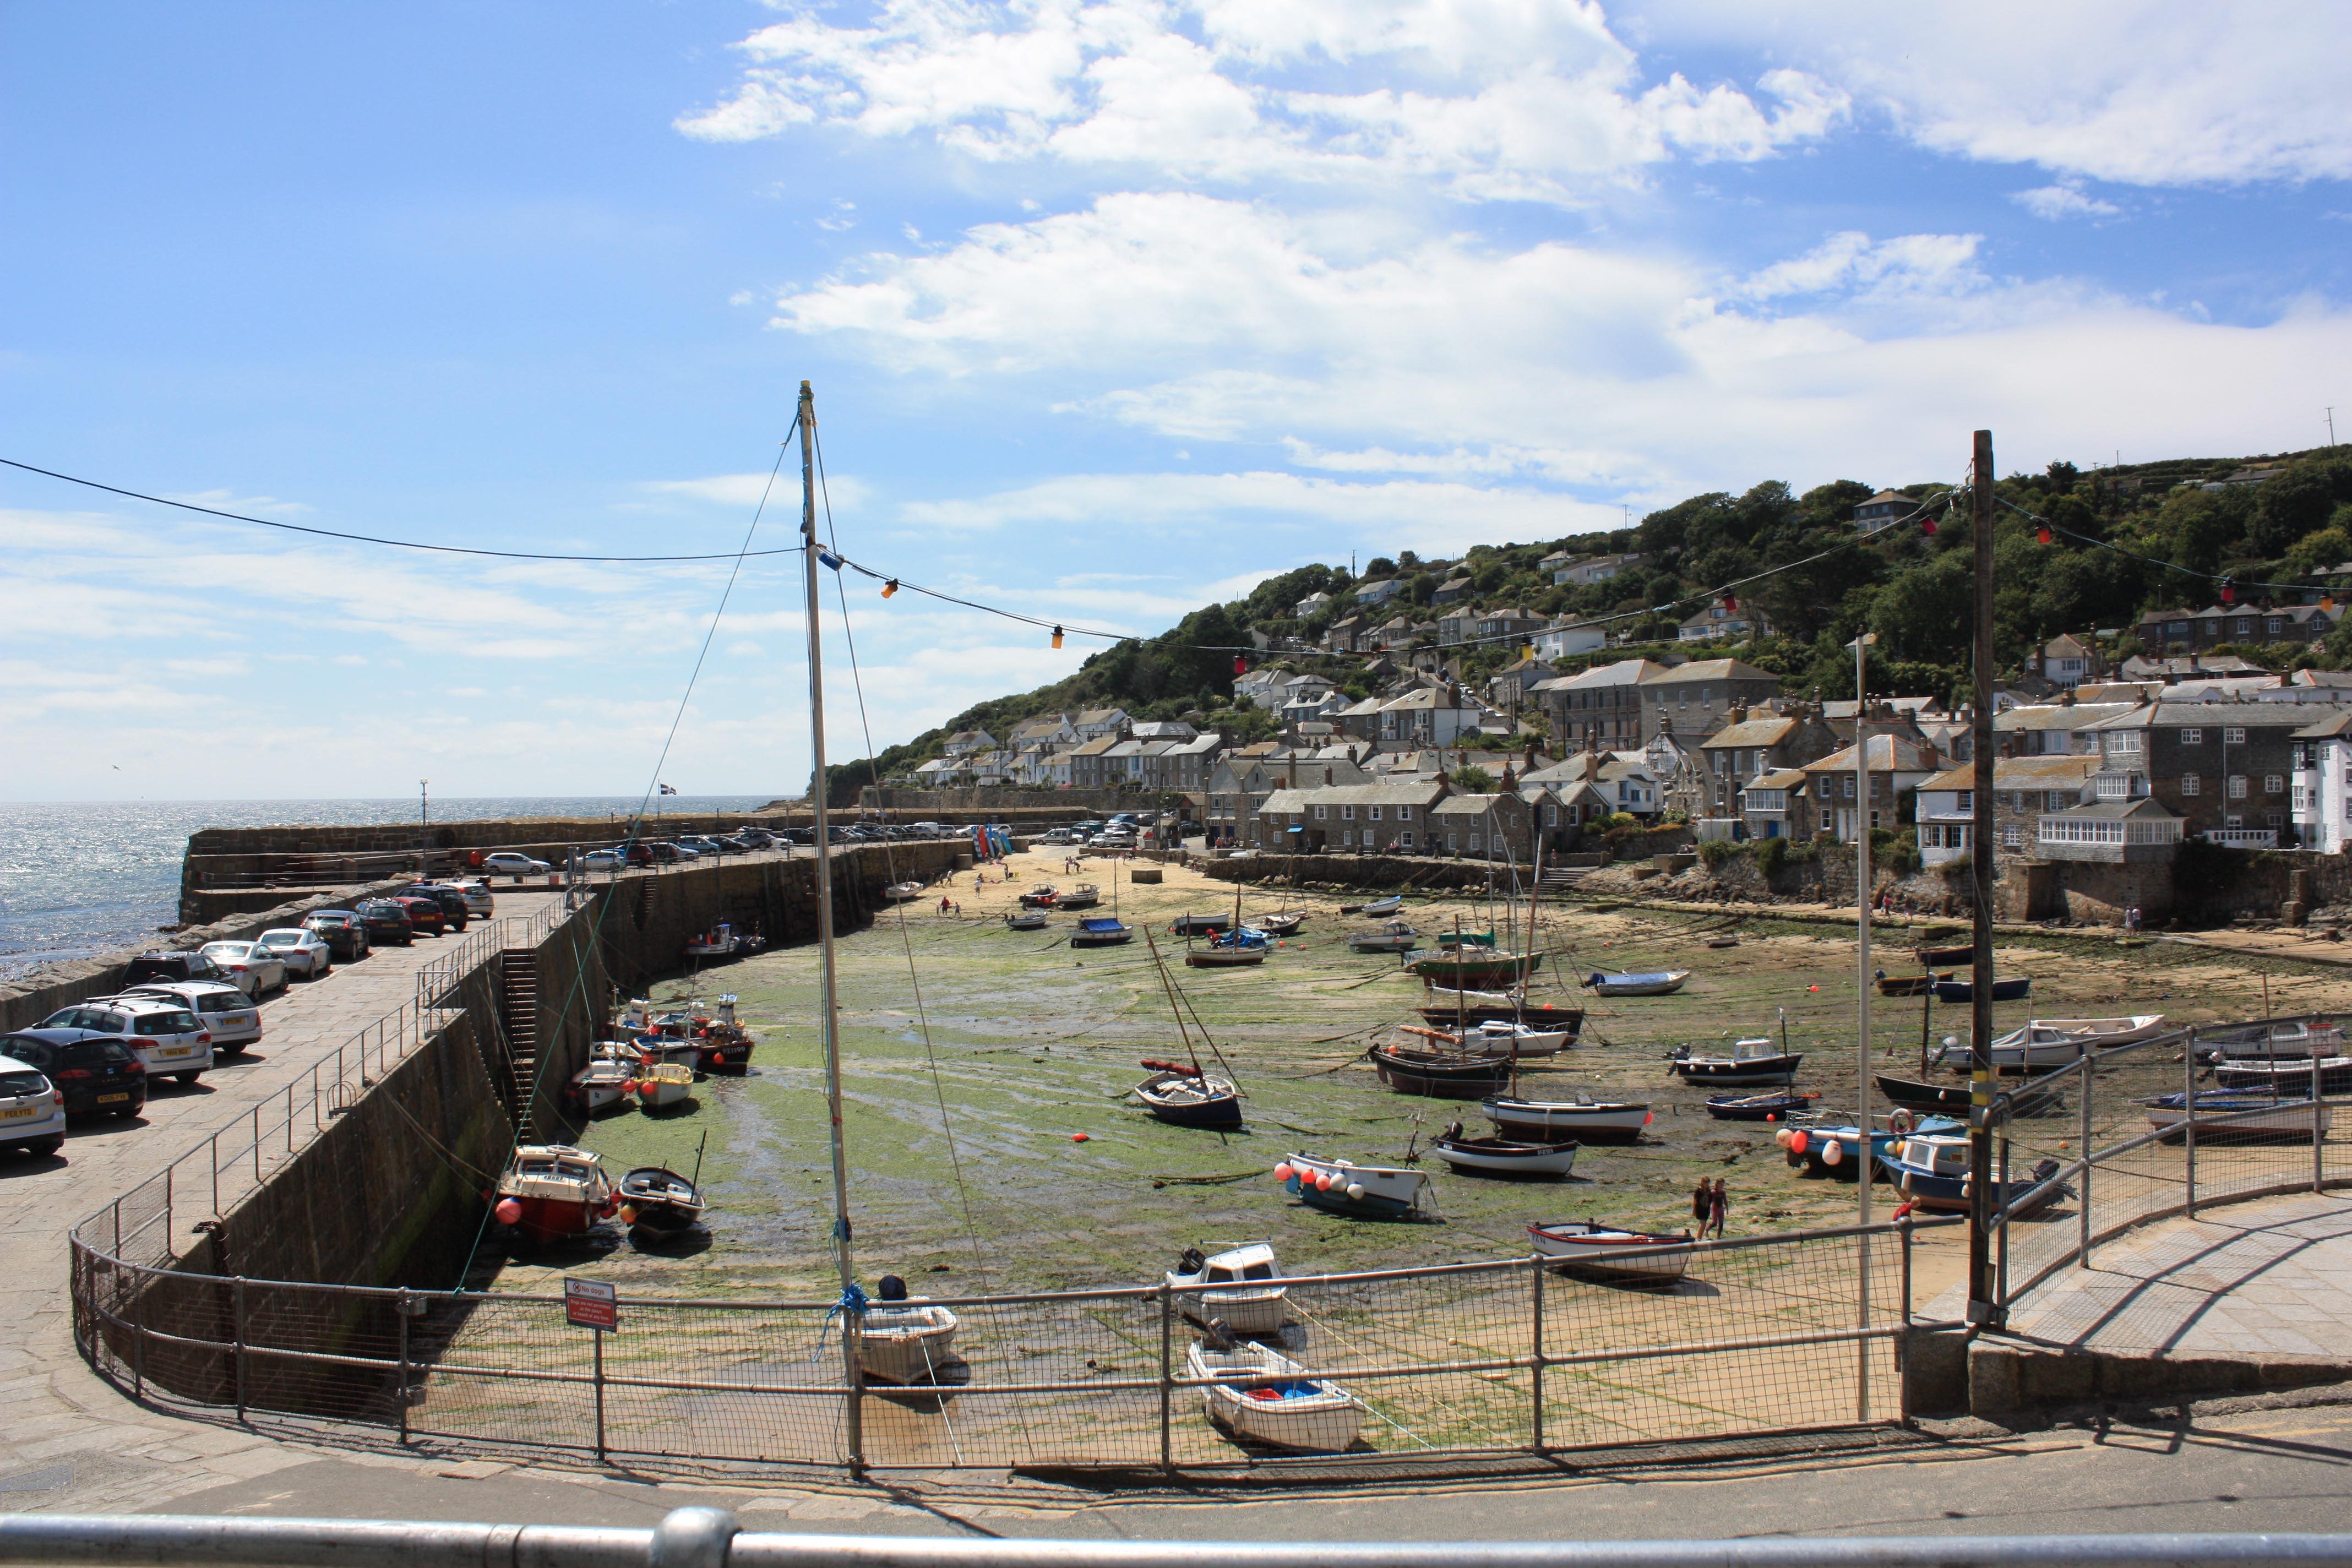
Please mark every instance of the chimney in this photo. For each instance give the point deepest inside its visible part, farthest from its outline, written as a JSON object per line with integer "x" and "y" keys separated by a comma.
{"x": 1739, "y": 716}
{"x": 1328, "y": 782}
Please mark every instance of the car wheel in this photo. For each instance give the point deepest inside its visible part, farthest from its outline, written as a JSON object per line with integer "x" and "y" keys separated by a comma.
{"x": 42, "y": 1148}
{"x": 188, "y": 1076}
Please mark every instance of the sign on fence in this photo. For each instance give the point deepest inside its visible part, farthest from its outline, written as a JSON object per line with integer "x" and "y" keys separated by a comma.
{"x": 591, "y": 1304}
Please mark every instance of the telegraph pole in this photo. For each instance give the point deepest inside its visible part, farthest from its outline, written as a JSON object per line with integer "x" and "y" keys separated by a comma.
{"x": 1983, "y": 1308}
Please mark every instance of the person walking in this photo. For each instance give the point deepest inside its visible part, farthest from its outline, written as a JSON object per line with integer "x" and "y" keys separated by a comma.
{"x": 1718, "y": 1208}
{"x": 1702, "y": 1204}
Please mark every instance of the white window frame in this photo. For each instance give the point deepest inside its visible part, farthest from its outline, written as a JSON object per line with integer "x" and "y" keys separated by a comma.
{"x": 1405, "y": 814}
{"x": 2272, "y": 784}
{"x": 2192, "y": 737}
{"x": 2192, "y": 784}
{"x": 2237, "y": 786}
{"x": 2234, "y": 737}
{"x": 1372, "y": 814}
{"x": 1320, "y": 812}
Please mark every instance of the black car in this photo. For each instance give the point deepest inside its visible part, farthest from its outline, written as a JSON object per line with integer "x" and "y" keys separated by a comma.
{"x": 98, "y": 1078}
{"x": 454, "y": 908}
{"x": 344, "y": 933}
{"x": 387, "y": 922}
{"x": 173, "y": 967}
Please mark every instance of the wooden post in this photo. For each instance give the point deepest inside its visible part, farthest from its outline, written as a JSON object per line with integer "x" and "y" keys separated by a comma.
{"x": 1983, "y": 1307}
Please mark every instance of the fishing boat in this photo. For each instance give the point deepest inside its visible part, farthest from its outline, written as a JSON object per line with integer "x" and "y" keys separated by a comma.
{"x": 1265, "y": 1396}
{"x": 2045, "y": 1043}
{"x": 1235, "y": 957}
{"x": 1931, "y": 1169}
{"x": 659, "y": 1205}
{"x": 606, "y": 1083}
{"x": 723, "y": 940}
{"x": 2222, "y": 1115}
{"x": 1247, "y": 1298}
{"x": 1342, "y": 1186}
{"x": 1040, "y": 899}
{"x": 1654, "y": 983}
{"x": 1188, "y": 1097}
{"x": 726, "y": 1045}
{"x": 1612, "y": 1253}
{"x": 1909, "y": 985}
{"x": 1915, "y": 1095}
{"x": 1100, "y": 931}
{"x": 902, "y": 892}
{"x": 905, "y": 1340}
{"x": 655, "y": 1050}
{"x": 550, "y": 1191}
{"x": 664, "y": 1084}
{"x": 1025, "y": 920}
{"x": 1750, "y": 1061}
{"x": 1085, "y": 896}
{"x": 1929, "y": 957}
{"x": 1443, "y": 1075}
{"x": 1826, "y": 1151}
{"x": 2285, "y": 1077}
{"x": 1284, "y": 924}
{"x": 1584, "y": 1118}
{"x": 1380, "y": 907}
{"x": 1444, "y": 1007}
{"x": 1466, "y": 969}
{"x": 1759, "y": 1106}
{"x": 1505, "y": 1157}
{"x": 2282, "y": 1038}
{"x": 1394, "y": 937}
{"x": 2016, "y": 990}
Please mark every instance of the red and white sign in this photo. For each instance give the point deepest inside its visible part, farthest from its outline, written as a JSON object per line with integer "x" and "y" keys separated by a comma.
{"x": 591, "y": 1304}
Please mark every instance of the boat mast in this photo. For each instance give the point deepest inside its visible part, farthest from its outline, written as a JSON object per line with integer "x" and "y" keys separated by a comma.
{"x": 829, "y": 1017}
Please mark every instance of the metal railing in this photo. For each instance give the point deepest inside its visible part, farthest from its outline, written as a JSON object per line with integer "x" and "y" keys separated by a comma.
{"x": 711, "y": 1537}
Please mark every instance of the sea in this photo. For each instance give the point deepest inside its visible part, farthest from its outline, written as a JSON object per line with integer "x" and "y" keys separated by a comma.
{"x": 82, "y": 878}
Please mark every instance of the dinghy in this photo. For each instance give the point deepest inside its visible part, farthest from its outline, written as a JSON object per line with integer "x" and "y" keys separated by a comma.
{"x": 2016, "y": 990}
{"x": 1248, "y": 1300}
{"x": 2223, "y": 1115}
{"x": 1443, "y": 1075}
{"x": 1522, "y": 1039}
{"x": 902, "y": 892}
{"x": 1655, "y": 983}
{"x": 1101, "y": 930}
{"x": 1916, "y": 1095}
{"x": 1188, "y": 1097}
{"x": 1342, "y": 1186}
{"x": 1387, "y": 906}
{"x": 1596, "y": 1251}
{"x": 1931, "y": 1169}
{"x": 1394, "y": 937}
{"x": 2045, "y": 1043}
{"x": 1223, "y": 957}
{"x": 1584, "y": 1118}
{"x": 1909, "y": 985}
{"x": 1759, "y": 1106}
{"x": 1445, "y": 1008}
{"x": 1751, "y": 1061}
{"x": 904, "y": 1341}
{"x": 1200, "y": 925}
{"x": 1027, "y": 920}
{"x": 1284, "y": 924}
{"x": 1267, "y": 1397}
{"x": 1468, "y": 969}
{"x": 663, "y": 1085}
{"x": 550, "y": 1190}
{"x": 1503, "y": 1157}
{"x": 657, "y": 1204}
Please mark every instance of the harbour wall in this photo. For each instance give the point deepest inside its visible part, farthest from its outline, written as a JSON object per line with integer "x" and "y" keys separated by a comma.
{"x": 1396, "y": 873}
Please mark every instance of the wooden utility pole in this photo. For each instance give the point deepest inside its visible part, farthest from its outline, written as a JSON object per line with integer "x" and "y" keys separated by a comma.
{"x": 1982, "y": 1306}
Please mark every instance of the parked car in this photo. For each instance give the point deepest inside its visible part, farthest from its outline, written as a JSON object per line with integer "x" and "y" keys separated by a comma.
{"x": 757, "y": 837}
{"x": 451, "y": 899}
{"x": 228, "y": 1014}
{"x": 506, "y": 863}
{"x": 249, "y": 967}
{"x": 343, "y": 932}
{"x": 798, "y": 835}
{"x": 602, "y": 860}
{"x": 165, "y": 1035}
{"x": 480, "y": 903}
{"x": 424, "y": 914}
{"x": 171, "y": 967}
{"x": 304, "y": 952}
{"x": 387, "y": 922}
{"x": 98, "y": 1077}
{"x": 32, "y": 1110}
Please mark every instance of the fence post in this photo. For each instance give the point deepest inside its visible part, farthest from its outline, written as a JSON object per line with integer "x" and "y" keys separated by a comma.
{"x": 1167, "y": 1377}
{"x": 2008, "y": 1197}
{"x": 256, "y": 1145}
{"x": 239, "y": 1311}
{"x": 2083, "y": 1198}
{"x": 599, "y": 1334}
{"x": 1536, "y": 1351}
{"x": 214, "y": 1163}
{"x": 2188, "y": 1120}
{"x": 853, "y": 1342}
{"x": 2318, "y": 1124}
{"x": 1902, "y": 1344}
{"x": 403, "y": 1392}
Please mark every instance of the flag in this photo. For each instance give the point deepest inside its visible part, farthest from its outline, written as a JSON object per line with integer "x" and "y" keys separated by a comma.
{"x": 669, "y": 789}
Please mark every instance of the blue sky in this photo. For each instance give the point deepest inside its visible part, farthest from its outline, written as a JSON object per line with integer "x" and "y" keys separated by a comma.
{"x": 1111, "y": 307}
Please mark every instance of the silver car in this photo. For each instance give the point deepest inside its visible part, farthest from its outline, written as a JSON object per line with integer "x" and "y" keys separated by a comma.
{"x": 304, "y": 952}
{"x": 480, "y": 902}
{"x": 251, "y": 967}
{"x": 163, "y": 1033}
{"x": 227, "y": 1013}
{"x": 32, "y": 1110}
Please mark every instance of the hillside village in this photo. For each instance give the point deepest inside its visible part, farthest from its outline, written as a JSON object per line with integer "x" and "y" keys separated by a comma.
{"x": 1554, "y": 700}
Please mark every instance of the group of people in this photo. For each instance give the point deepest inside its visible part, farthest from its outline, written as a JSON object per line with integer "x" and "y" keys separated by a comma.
{"x": 1710, "y": 1205}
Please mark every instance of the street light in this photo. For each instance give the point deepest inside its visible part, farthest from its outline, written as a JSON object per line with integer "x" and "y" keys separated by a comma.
{"x": 423, "y": 813}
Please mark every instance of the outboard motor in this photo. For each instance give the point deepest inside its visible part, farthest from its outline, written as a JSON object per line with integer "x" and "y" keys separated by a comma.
{"x": 1191, "y": 1260}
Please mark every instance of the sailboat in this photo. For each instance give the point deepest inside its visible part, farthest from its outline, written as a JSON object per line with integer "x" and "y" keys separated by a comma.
{"x": 1181, "y": 1098}
{"x": 1237, "y": 947}
{"x": 1103, "y": 930}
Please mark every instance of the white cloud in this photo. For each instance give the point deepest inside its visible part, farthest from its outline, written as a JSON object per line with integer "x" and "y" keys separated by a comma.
{"x": 229, "y": 500}
{"x": 2063, "y": 200}
{"x": 744, "y": 491}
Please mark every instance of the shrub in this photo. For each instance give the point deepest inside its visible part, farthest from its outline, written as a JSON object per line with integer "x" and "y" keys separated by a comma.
{"x": 1715, "y": 851}
{"x": 1769, "y": 855}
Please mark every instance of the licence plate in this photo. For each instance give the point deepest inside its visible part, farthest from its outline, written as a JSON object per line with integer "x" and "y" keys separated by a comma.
{"x": 110, "y": 1098}
{"x": 179, "y": 1050}
{"x": 16, "y": 1111}
{"x": 236, "y": 1020}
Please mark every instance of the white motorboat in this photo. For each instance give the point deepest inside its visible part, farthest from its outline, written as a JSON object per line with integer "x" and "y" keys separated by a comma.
{"x": 1271, "y": 1399}
{"x": 1027, "y": 920}
{"x": 606, "y": 1083}
{"x": 2222, "y": 1114}
{"x": 2058, "y": 1042}
{"x": 1342, "y": 1186}
{"x": 1501, "y": 1035}
{"x": 905, "y": 1341}
{"x": 1584, "y": 1119}
{"x": 1609, "y": 1252}
{"x": 2300, "y": 1038}
{"x": 1249, "y": 1301}
{"x": 1503, "y": 1157}
{"x": 1652, "y": 983}
{"x": 902, "y": 892}
{"x": 1750, "y": 1061}
{"x": 1395, "y": 936}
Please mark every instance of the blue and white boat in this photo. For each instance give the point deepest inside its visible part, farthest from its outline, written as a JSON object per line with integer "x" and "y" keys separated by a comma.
{"x": 1101, "y": 930}
{"x": 1342, "y": 1186}
{"x": 1931, "y": 1169}
{"x": 2222, "y": 1114}
{"x": 1835, "y": 1151}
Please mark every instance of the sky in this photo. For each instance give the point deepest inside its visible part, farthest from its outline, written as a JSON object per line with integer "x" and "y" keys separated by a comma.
{"x": 1111, "y": 307}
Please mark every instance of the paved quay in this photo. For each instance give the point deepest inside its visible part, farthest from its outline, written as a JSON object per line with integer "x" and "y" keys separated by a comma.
{"x": 67, "y": 1437}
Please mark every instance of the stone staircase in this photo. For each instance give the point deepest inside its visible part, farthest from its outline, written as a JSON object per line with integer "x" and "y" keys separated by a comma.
{"x": 519, "y": 1013}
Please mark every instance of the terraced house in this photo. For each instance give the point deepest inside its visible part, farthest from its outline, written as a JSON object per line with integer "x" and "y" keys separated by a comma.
{"x": 1360, "y": 817}
{"x": 2225, "y": 768}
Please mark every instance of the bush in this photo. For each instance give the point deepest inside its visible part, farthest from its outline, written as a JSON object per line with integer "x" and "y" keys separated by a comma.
{"x": 1715, "y": 851}
{"x": 1770, "y": 854}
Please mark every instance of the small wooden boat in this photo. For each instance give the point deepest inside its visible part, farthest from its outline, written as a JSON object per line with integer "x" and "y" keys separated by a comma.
{"x": 1502, "y": 1034}
{"x": 1750, "y": 1061}
{"x": 1249, "y": 1300}
{"x": 1394, "y": 937}
{"x": 2223, "y": 1115}
{"x": 1200, "y": 925}
{"x": 1466, "y": 939}
{"x": 1723, "y": 942}
{"x": 1916, "y": 1095}
{"x": 1759, "y": 1106}
{"x": 1342, "y": 1186}
{"x": 1584, "y": 1118}
{"x": 1265, "y": 1396}
{"x": 1461, "y": 970}
{"x": 2045, "y": 1043}
{"x": 1446, "y": 1008}
{"x": 1655, "y": 983}
{"x": 1442, "y": 1075}
{"x": 1909, "y": 985}
{"x": 606, "y": 1083}
{"x": 1040, "y": 899}
{"x": 1026, "y": 920}
{"x": 1929, "y": 957}
{"x": 2016, "y": 990}
{"x": 1085, "y": 896}
{"x": 657, "y": 1204}
{"x": 1184, "y": 1097}
{"x": 1931, "y": 1169}
{"x": 1223, "y": 957}
{"x": 2260, "y": 1042}
{"x": 902, "y": 892}
{"x": 1610, "y": 1253}
{"x": 1287, "y": 923}
{"x": 2291, "y": 1076}
{"x": 550, "y": 1190}
{"x": 664, "y": 1084}
{"x": 1387, "y": 906}
{"x": 905, "y": 1341}
{"x": 1101, "y": 930}
{"x": 1504, "y": 1157}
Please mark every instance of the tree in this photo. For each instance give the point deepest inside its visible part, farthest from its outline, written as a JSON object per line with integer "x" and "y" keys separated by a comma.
{"x": 1472, "y": 779}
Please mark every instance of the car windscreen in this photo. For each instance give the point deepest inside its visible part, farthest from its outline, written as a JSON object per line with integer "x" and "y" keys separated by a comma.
{"x": 167, "y": 1024}
{"x": 21, "y": 1085}
{"x": 222, "y": 1002}
{"x": 282, "y": 939}
{"x": 95, "y": 1054}
{"x": 32, "y": 1052}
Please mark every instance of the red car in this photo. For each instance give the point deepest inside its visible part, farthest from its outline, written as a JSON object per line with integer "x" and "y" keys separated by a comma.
{"x": 424, "y": 913}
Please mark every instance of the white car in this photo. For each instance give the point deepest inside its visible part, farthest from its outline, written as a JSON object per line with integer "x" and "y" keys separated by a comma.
{"x": 32, "y": 1110}
{"x": 251, "y": 967}
{"x": 304, "y": 952}
{"x": 167, "y": 1038}
{"x": 506, "y": 863}
{"x": 480, "y": 904}
{"x": 602, "y": 860}
{"x": 228, "y": 1014}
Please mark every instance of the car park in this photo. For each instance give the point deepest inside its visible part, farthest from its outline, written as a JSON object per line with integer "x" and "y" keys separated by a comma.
{"x": 506, "y": 863}
{"x": 171, "y": 967}
{"x": 32, "y": 1110}
{"x": 249, "y": 967}
{"x": 304, "y": 952}
{"x": 165, "y": 1035}
{"x": 386, "y": 922}
{"x": 424, "y": 914}
{"x": 98, "y": 1077}
{"x": 343, "y": 932}
{"x": 452, "y": 901}
{"x": 231, "y": 1017}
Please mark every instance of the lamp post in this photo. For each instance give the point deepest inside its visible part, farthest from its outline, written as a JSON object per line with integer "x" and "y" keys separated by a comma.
{"x": 424, "y": 812}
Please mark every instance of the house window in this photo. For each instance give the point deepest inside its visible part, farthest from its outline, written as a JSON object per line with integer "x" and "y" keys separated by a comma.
{"x": 2057, "y": 800}
{"x": 1405, "y": 838}
{"x": 2011, "y": 836}
{"x": 1347, "y": 837}
{"x": 2233, "y": 820}
{"x": 1372, "y": 814}
{"x": 2245, "y": 624}
{"x": 2192, "y": 737}
{"x": 2234, "y": 737}
{"x": 1849, "y": 784}
{"x": 2274, "y": 625}
{"x": 2237, "y": 786}
{"x": 2191, "y": 784}
{"x": 2272, "y": 784}
{"x": 1347, "y": 813}
{"x": 1451, "y": 841}
{"x": 2275, "y": 820}
{"x": 1405, "y": 814}
{"x": 1473, "y": 843}
{"x": 1321, "y": 812}
{"x": 1551, "y": 816}
{"x": 1968, "y": 800}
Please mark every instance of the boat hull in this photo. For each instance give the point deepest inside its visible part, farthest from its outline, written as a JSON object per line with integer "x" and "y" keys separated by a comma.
{"x": 1100, "y": 939}
{"x": 1758, "y": 1106}
{"x": 1509, "y": 1160}
{"x": 2016, "y": 990}
{"x": 1552, "y": 1122}
{"x": 1381, "y": 1192}
{"x": 1481, "y": 974}
{"x": 2290, "y": 1077}
{"x": 1613, "y": 1257}
{"x": 1242, "y": 959}
{"x": 1164, "y": 1096}
{"x": 1249, "y": 1311}
{"x": 1536, "y": 1016}
{"x": 1661, "y": 984}
{"x": 1283, "y": 1409}
{"x": 2250, "y": 1120}
{"x": 1437, "y": 1077}
{"x": 1731, "y": 1072}
{"x": 905, "y": 1344}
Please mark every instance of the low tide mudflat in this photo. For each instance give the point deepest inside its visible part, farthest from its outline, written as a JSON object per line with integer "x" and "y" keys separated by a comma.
{"x": 993, "y": 1146}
